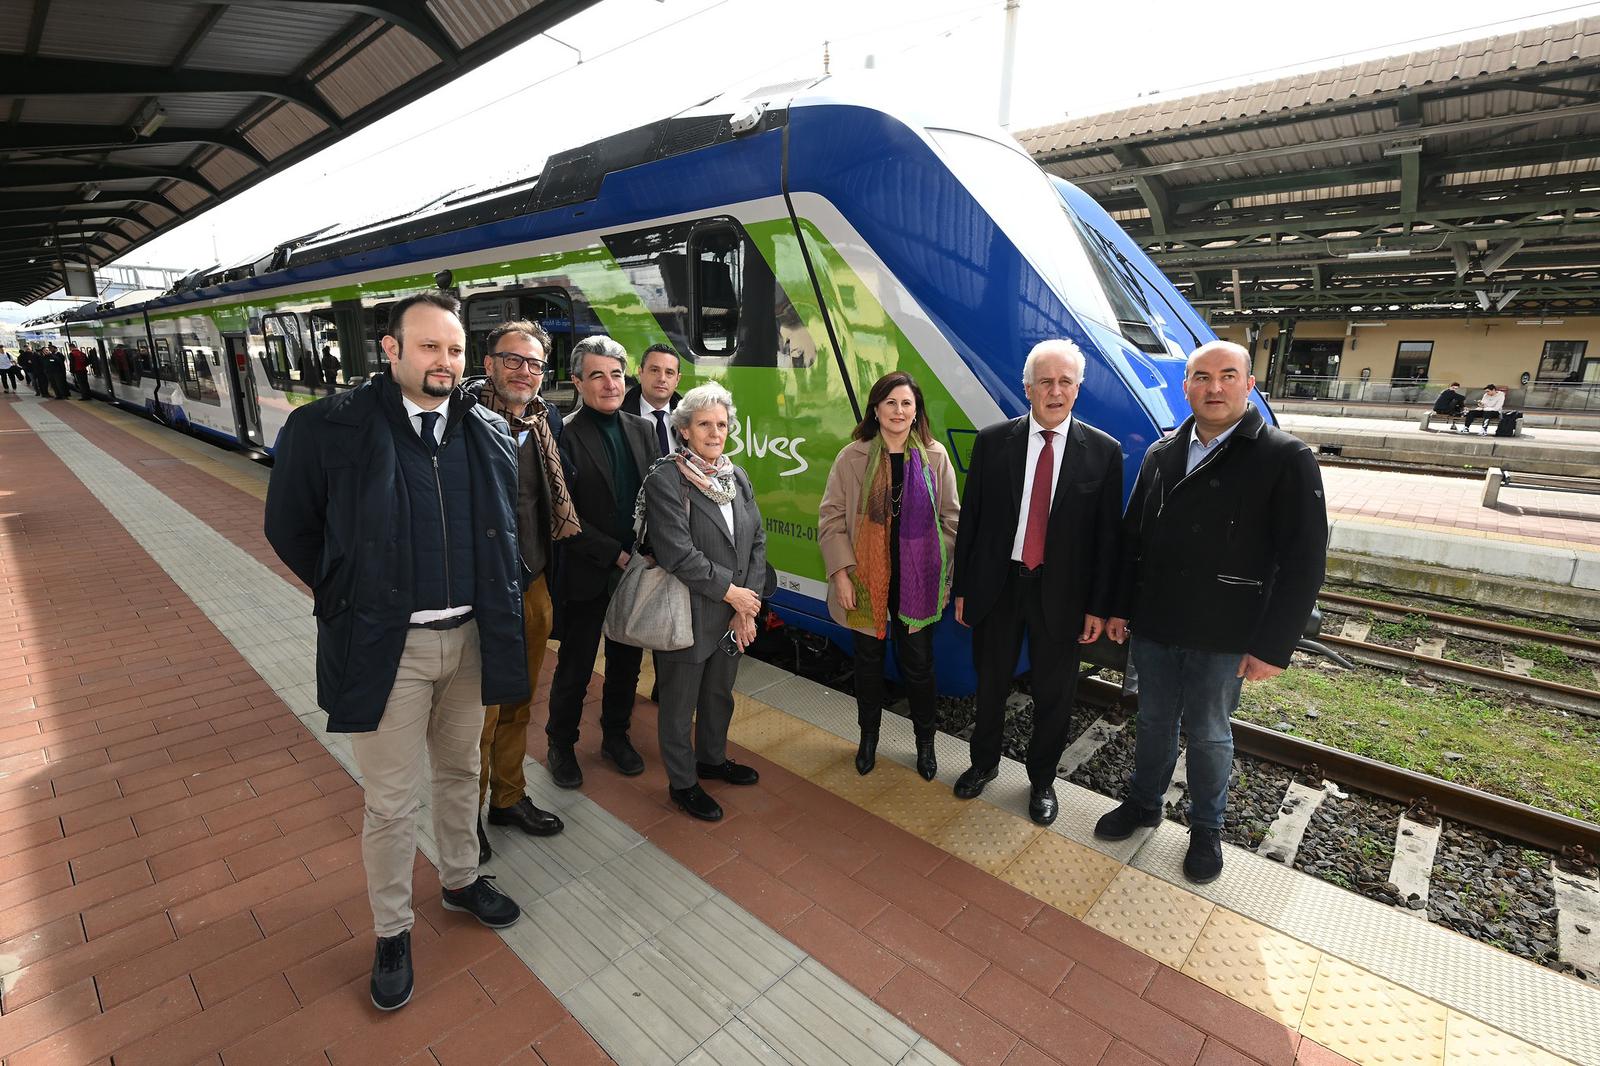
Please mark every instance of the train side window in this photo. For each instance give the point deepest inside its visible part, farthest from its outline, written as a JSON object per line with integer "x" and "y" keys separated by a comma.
{"x": 288, "y": 359}
{"x": 166, "y": 365}
{"x": 717, "y": 256}
{"x": 325, "y": 346}
{"x": 195, "y": 369}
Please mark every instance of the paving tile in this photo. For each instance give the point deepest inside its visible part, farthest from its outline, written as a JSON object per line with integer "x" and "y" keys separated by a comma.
{"x": 1038, "y": 1019}
{"x": 35, "y": 883}
{"x": 130, "y": 979}
{"x": 822, "y": 841}
{"x": 689, "y": 844}
{"x": 1144, "y": 912}
{"x": 569, "y": 1044}
{"x": 1254, "y": 965}
{"x": 570, "y": 935}
{"x": 897, "y": 846}
{"x": 285, "y": 910}
{"x": 757, "y": 843}
{"x": 498, "y": 1033}
{"x": 502, "y": 975}
{"x": 446, "y": 1007}
{"x": 159, "y": 896}
{"x": 1262, "y": 1038}
{"x": 274, "y": 852}
{"x": 94, "y": 1038}
{"x": 25, "y": 1024}
{"x": 193, "y": 843}
{"x": 939, "y": 956}
{"x": 1089, "y": 947}
{"x": 40, "y": 961}
{"x": 727, "y": 950}
{"x": 206, "y": 1033}
{"x": 812, "y": 1016}
{"x": 987, "y": 836}
{"x": 861, "y": 961}
{"x": 828, "y": 886}
{"x": 1014, "y": 951}
{"x": 648, "y": 887}
{"x": 1062, "y": 873}
{"x": 80, "y": 897}
{"x": 644, "y": 1009}
{"x": 758, "y": 891}
{"x": 258, "y": 958}
{"x": 931, "y": 903}
{"x": 1468, "y": 1042}
{"x": 1126, "y": 1016}
{"x": 956, "y": 1027}
{"x": 1373, "y": 1021}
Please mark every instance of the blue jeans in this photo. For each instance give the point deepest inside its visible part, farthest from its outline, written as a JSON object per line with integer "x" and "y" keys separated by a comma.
{"x": 1199, "y": 691}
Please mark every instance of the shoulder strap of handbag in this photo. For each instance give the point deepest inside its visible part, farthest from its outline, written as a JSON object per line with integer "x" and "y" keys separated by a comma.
{"x": 638, "y": 503}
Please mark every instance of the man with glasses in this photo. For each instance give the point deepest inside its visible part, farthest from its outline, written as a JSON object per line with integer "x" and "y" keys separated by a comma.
{"x": 1036, "y": 554}
{"x": 514, "y": 361}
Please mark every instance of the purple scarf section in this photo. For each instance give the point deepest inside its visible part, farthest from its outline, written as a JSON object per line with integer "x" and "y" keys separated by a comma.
{"x": 921, "y": 553}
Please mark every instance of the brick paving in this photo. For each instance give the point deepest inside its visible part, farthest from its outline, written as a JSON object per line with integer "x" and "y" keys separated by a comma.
{"x": 181, "y": 875}
{"x": 1455, "y": 505}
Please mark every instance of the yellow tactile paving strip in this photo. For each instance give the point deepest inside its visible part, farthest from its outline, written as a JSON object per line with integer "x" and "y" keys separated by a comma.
{"x": 1347, "y": 1009}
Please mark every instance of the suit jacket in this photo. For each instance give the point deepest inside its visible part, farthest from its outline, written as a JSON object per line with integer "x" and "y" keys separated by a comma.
{"x": 1080, "y": 552}
{"x": 589, "y": 559}
{"x": 840, "y": 511}
{"x": 691, "y": 541}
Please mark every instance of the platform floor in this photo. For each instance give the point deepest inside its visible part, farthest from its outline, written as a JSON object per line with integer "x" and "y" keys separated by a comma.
{"x": 181, "y": 878}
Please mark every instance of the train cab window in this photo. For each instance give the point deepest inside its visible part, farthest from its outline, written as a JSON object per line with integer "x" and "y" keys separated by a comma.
{"x": 289, "y": 361}
{"x": 1134, "y": 317}
{"x": 717, "y": 256}
{"x": 325, "y": 346}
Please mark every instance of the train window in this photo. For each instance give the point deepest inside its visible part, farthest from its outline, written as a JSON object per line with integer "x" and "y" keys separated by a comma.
{"x": 325, "y": 345}
{"x": 1122, "y": 289}
{"x": 289, "y": 361}
{"x": 718, "y": 258}
{"x": 195, "y": 368}
{"x": 166, "y": 364}
{"x": 374, "y": 325}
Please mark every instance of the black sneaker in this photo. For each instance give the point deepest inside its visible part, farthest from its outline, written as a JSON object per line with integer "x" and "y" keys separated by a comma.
{"x": 484, "y": 902}
{"x": 1203, "y": 864}
{"x": 619, "y": 749}
{"x": 696, "y": 801}
{"x": 734, "y": 773}
{"x": 391, "y": 972}
{"x": 562, "y": 763}
{"x": 1121, "y": 823}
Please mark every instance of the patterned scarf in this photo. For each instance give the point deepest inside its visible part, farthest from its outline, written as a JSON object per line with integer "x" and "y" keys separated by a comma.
{"x": 714, "y": 480}
{"x": 924, "y": 572}
{"x": 563, "y": 518}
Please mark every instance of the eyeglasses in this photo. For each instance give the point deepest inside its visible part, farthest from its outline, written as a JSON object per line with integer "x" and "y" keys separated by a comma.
{"x": 515, "y": 362}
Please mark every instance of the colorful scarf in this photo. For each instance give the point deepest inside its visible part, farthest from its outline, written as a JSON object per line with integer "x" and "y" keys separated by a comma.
{"x": 532, "y": 419}
{"x": 714, "y": 480}
{"x": 924, "y": 571}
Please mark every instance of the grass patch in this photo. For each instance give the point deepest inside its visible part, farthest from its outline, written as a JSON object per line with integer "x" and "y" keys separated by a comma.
{"x": 1550, "y": 663}
{"x": 1405, "y": 631}
{"x": 1524, "y": 753}
{"x": 1466, "y": 610}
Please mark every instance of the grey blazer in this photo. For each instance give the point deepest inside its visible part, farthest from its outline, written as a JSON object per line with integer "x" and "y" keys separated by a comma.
{"x": 692, "y": 543}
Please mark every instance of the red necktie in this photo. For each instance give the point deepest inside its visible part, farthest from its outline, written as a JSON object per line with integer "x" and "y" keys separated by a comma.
{"x": 1039, "y": 505}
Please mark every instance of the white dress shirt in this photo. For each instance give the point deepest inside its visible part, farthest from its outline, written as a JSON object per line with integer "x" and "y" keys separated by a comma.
{"x": 1058, "y": 448}
{"x": 648, "y": 413}
{"x": 1199, "y": 452}
{"x": 414, "y": 415}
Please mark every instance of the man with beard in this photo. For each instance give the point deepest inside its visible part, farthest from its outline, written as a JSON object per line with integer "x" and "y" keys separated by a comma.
{"x": 515, "y": 362}
{"x": 395, "y": 501}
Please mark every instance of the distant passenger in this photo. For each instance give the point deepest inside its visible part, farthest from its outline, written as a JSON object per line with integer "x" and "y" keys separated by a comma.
{"x": 58, "y": 372}
{"x": 1450, "y": 403}
{"x": 9, "y": 370}
{"x": 80, "y": 371}
{"x": 608, "y": 452}
{"x": 655, "y": 397}
{"x": 1490, "y": 404}
{"x": 1036, "y": 555}
{"x": 330, "y": 366}
{"x": 396, "y": 503}
{"x": 119, "y": 362}
{"x": 705, "y": 529}
{"x": 25, "y": 363}
{"x": 1223, "y": 550}
{"x": 887, "y": 530}
{"x": 310, "y": 369}
{"x": 515, "y": 365}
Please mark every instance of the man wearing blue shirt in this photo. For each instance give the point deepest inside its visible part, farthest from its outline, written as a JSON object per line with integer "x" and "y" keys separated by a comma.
{"x": 1224, "y": 546}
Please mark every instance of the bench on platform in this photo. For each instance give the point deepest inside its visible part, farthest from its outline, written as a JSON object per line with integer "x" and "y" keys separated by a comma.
{"x": 1425, "y": 423}
{"x": 1498, "y": 480}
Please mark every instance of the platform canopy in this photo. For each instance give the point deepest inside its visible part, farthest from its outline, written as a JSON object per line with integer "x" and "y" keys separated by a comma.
{"x": 120, "y": 121}
{"x": 1458, "y": 179}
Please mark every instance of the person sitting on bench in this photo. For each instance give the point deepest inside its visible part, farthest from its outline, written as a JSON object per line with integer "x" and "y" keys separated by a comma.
{"x": 1489, "y": 407}
{"x": 1450, "y": 403}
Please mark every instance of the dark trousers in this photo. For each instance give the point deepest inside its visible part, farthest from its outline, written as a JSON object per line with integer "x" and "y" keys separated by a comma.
{"x": 1482, "y": 416}
{"x": 914, "y": 651}
{"x": 696, "y": 707}
{"x": 582, "y": 622}
{"x": 82, "y": 381}
{"x": 996, "y": 644}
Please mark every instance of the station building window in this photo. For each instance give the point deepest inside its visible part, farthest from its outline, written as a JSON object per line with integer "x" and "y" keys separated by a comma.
{"x": 1563, "y": 361}
{"x": 1411, "y": 361}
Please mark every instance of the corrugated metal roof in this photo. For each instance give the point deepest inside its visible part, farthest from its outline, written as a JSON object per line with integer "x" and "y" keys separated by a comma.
{"x": 245, "y": 89}
{"x": 1487, "y": 58}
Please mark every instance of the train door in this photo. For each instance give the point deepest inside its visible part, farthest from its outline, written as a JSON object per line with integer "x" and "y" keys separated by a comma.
{"x": 242, "y": 387}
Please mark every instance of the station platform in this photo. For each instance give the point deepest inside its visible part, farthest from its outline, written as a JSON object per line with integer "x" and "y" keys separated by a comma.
{"x": 182, "y": 883}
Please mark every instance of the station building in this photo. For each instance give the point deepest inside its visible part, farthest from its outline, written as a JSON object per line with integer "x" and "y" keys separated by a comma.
{"x": 1376, "y": 230}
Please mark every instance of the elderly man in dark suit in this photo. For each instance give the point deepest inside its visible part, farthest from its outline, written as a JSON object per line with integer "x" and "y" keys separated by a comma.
{"x": 1036, "y": 555}
{"x": 705, "y": 529}
{"x": 608, "y": 452}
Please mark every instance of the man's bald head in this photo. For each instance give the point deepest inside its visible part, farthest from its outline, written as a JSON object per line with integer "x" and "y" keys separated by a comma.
{"x": 1221, "y": 348}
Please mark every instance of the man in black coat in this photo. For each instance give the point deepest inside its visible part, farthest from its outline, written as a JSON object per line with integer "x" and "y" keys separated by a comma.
{"x": 395, "y": 502}
{"x": 1035, "y": 556}
{"x": 1224, "y": 546}
{"x": 607, "y": 452}
{"x": 654, "y": 397}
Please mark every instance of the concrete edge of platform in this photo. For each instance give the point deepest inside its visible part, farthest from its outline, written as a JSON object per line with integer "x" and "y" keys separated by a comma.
{"x": 1559, "y": 567}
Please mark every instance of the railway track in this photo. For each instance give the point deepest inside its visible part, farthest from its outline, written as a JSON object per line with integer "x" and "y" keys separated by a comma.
{"x": 1427, "y": 658}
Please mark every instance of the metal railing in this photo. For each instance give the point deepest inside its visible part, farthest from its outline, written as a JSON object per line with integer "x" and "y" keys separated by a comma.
{"x": 1538, "y": 396}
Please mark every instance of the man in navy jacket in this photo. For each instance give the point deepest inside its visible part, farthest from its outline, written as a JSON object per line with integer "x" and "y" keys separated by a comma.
{"x": 395, "y": 502}
{"x": 1224, "y": 545}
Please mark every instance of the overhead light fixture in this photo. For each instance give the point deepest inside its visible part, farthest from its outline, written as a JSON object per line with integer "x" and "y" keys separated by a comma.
{"x": 1539, "y": 322}
{"x": 1377, "y": 253}
{"x": 1358, "y": 325}
{"x": 1400, "y": 148}
{"x": 90, "y": 191}
{"x": 1122, "y": 185}
{"x": 149, "y": 119}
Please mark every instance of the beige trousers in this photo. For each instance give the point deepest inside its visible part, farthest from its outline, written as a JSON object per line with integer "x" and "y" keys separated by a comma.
{"x": 433, "y": 716}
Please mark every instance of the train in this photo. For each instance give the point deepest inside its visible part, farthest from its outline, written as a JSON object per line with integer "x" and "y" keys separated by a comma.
{"x": 793, "y": 245}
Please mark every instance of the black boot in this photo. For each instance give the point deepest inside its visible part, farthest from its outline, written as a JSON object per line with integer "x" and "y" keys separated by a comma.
{"x": 867, "y": 753}
{"x": 927, "y": 761}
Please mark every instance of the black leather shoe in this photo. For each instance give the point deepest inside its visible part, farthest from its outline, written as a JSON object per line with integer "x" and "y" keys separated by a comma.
{"x": 392, "y": 979}
{"x": 867, "y": 753}
{"x": 1042, "y": 805}
{"x": 927, "y": 761}
{"x": 970, "y": 784}
{"x": 1203, "y": 864}
{"x": 526, "y": 817}
{"x": 485, "y": 852}
{"x": 1120, "y": 824}
{"x": 484, "y": 902}
{"x": 619, "y": 750}
{"x": 563, "y": 765}
{"x": 732, "y": 772}
{"x": 695, "y": 800}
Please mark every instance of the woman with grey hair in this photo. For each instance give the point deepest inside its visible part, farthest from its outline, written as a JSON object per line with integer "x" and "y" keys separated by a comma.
{"x": 705, "y": 530}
